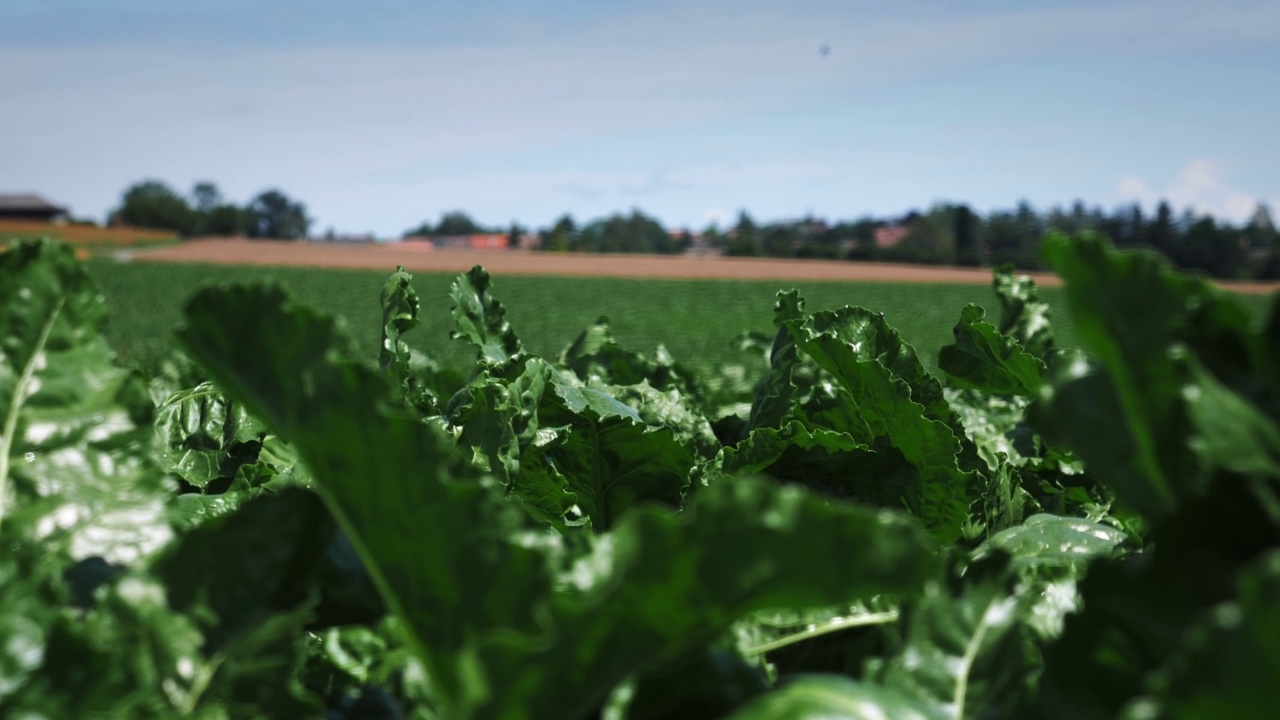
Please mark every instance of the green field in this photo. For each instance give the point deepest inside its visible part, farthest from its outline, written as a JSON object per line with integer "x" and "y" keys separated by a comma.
{"x": 696, "y": 320}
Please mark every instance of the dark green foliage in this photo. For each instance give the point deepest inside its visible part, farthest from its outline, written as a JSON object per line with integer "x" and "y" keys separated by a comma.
{"x": 285, "y": 530}
{"x": 985, "y": 359}
{"x": 454, "y": 223}
{"x": 153, "y": 204}
{"x": 275, "y": 216}
{"x": 634, "y": 233}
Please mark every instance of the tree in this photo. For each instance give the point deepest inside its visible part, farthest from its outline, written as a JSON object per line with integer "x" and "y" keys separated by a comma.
{"x": 1216, "y": 249}
{"x": 965, "y": 231}
{"x": 226, "y": 220}
{"x": 779, "y": 241}
{"x": 153, "y": 204}
{"x": 1135, "y": 234}
{"x": 562, "y": 237}
{"x": 514, "y": 233}
{"x": 1161, "y": 233}
{"x": 634, "y": 233}
{"x": 1003, "y": 239}
{"x": 744, "y": 240}
{"x": 457, "y": 222}
{"x": 1030, "y": 228}
{"x": 214, "y": 216}
{"x": 205, "y": 197}
{"x": 1261, "y": 230}
{"x": 928, "y": 239}
{"x": 273, "y": 215}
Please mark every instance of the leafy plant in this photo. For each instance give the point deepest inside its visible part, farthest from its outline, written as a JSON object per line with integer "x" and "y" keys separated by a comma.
{"x": 273, "y": 528}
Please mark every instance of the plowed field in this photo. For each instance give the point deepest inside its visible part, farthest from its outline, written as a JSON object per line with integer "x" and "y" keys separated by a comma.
{"x": 421, "y": 258}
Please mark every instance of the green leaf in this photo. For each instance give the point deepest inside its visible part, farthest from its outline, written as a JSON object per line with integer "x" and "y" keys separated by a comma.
{"x": 76, "y": 443}
{"x": 658, "y": 586}
{"x": 793, "y": 453}
{"x": 400, "y": 309}
{"x": 204, "y": 436}
{"x": 396, "y": 485}
{"x": 985, "y": 359}
{"x": 481, "y": 320}
{"x": 996, "y": 426}
{"x": 1053, "y": 541}
{"x": 1133, "y": 313}
{"x": 661, "y": 584}
{"x": 1136, "y": 610}
{"x": 29, "y": 608}
{"x": 486, "y": 420}
{"x": 966, "y": 650}
{"x": 1231, "y": 432}
{"x": 366, "y": 672}
{"x": 826, "y": 461}
{"x": 597, "y": 359}
{"x": 248, "y": 565}
{"x": 247, "y": 578}
{"x": 1270, "y": 355}
{"x": 773, "y": 398}
{"x": 824, "y": 697}
{"x": 558, "y": 442}
{"x": 1024, "y": 317}
{"x": 673, "y": 410}
{"x": 127, "y": 656}
{"x": 1050, "y": 554}
{"x": 609, "y": 459}
{"x": 888, "y": 394}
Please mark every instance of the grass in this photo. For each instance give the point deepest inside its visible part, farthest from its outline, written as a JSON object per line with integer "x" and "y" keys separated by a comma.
{"x": 696, "y": 320}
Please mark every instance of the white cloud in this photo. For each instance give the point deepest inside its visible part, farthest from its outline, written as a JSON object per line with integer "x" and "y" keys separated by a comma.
{"x": 1200, "y": 185}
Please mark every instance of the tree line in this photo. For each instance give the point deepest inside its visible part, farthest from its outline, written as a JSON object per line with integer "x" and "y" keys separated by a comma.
{"x": 154, "y": 204}
{"x": 945, "y": 234}
{"x": 951, "y": 234}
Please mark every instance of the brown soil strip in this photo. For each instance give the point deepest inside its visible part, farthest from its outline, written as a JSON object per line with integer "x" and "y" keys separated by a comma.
{"x": 516, "y": 262}
{"x": 84, "y": 234}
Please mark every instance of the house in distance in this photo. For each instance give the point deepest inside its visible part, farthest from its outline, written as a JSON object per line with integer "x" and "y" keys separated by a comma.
{"x": 30, "y": 207}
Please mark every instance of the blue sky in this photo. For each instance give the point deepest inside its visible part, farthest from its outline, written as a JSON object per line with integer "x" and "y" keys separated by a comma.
{"x": 380, "y": 114}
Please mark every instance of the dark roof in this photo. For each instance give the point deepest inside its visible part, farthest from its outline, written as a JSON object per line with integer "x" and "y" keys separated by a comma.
{"x": 28, "y": 202}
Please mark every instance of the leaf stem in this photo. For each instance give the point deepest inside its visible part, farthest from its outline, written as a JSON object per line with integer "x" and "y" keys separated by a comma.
{"x": 831, "y": 626}
{"x": 19, "y": 395}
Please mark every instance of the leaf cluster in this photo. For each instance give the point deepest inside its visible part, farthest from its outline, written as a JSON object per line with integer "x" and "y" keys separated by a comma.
{"x": 272, "y": 527}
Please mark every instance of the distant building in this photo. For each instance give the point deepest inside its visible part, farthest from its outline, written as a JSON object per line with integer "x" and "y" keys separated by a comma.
{"x": 479, "y": 241}
{"x": 29, "y": 206}
{"x": 889, "y": 236}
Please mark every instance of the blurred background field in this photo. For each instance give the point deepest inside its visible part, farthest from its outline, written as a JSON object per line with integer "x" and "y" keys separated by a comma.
{"x": 697, "y": 320}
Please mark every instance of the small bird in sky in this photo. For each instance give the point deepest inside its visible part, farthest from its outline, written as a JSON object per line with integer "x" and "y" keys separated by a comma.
{"x": 824, "y": 50}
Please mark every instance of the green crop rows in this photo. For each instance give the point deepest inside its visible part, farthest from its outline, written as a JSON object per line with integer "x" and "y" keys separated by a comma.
{"x": 280, "y": 522}
{"x": 697, "y": 321}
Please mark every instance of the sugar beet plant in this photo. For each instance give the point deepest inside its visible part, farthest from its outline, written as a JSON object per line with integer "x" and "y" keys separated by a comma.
{"x": 271, "y": 527}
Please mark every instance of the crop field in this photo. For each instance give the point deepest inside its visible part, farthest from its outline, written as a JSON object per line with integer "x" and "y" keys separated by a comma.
{"x": 698, "y": 321}
{"x": 1004, "y": 525}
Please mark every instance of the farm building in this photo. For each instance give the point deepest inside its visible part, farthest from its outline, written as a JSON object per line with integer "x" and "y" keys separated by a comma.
{"x": 29, "y": 206}
{"x": 887, "y": 237}
{"x": 479, "y": 241}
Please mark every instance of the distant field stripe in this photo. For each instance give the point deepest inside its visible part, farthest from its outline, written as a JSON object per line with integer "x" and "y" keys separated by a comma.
{"x": 697, "y": 320}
